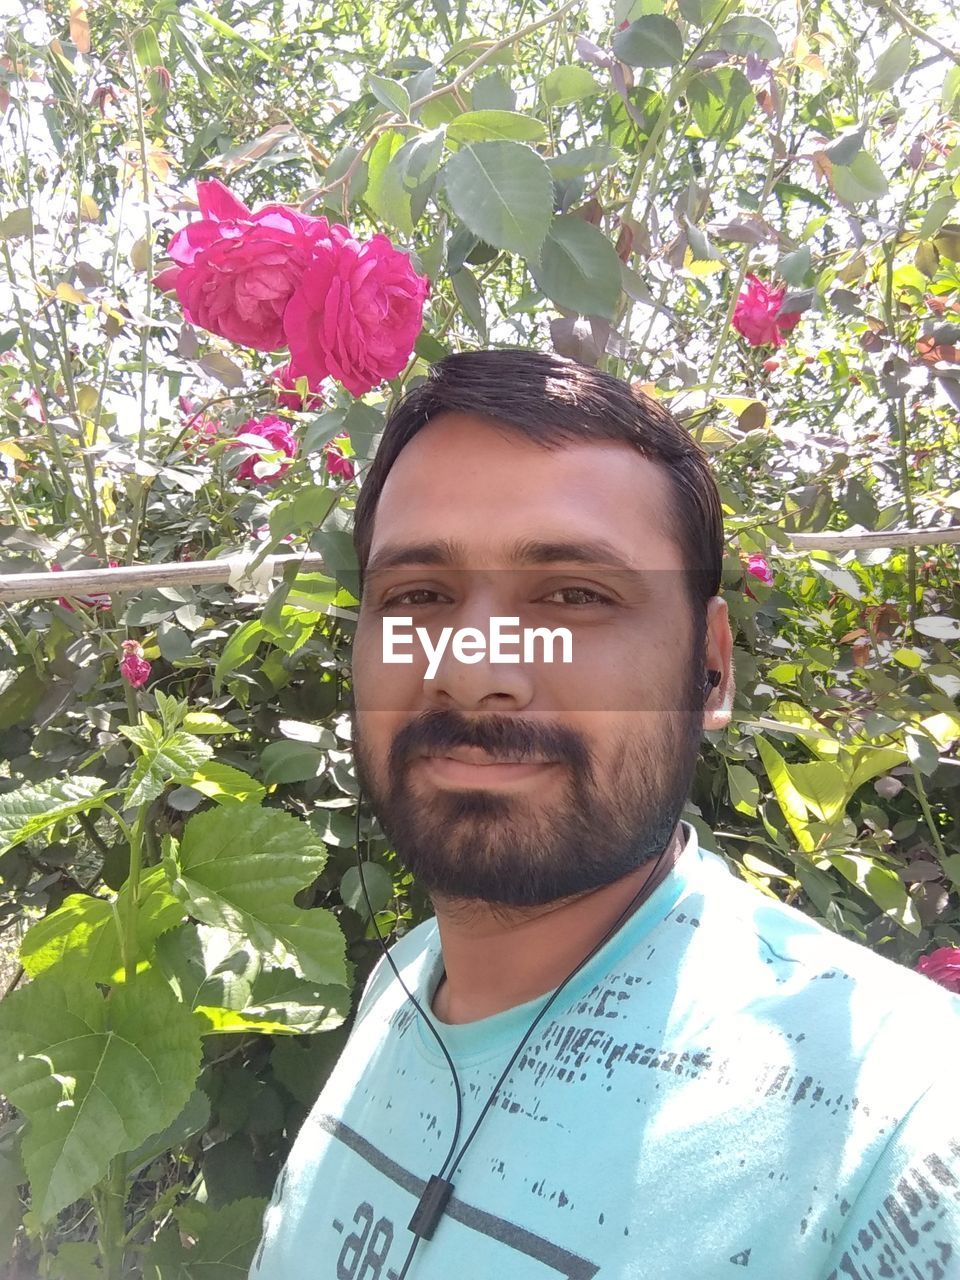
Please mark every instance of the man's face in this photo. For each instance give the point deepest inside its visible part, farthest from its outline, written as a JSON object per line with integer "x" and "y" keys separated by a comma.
{"x": 524, "y": 783}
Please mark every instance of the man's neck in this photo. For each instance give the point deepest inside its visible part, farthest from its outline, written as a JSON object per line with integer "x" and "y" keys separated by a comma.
{"x": 498, "y": 957}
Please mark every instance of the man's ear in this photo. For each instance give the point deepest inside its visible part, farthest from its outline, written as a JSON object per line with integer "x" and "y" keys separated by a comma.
{"x": 718, "y": 704}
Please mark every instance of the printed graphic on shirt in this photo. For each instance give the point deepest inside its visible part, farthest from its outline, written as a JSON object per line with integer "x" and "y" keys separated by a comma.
{"x": 374, "y": 1244}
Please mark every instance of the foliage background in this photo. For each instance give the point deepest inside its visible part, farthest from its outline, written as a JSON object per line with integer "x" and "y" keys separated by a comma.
{"x": 595, "y": 180}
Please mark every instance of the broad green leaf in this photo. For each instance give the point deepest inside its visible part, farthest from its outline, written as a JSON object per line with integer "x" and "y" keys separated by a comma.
{"x": 821, "y": 786}
{"x": 172, "y": 759}
{"x": 408, "y": 179}
{"x": 38, "y": 805}
{"x": 303, "y": 1067}
{"x": 869, "y": 763}
{"x": 208, "y": 722}
{"x": 788, "y": 797}
{"x": 217, "y": 973}
{"x": 385, "y": 193}
{"x": 378, "y": 883}
{"x": 842, "y": 579}
{"x": 240, "y": 648}
{"x": 77, "y": 1260}
{"x": 11, "y": 1210}
{"x": 744, "y": 788}
{"x": 391, "y": 94}
{"x": 861, "y": 180}
{"x": 291, "y": 762}
{"x": 225, "y": 784}
{"x": 922, "y": 751}
{"x": 700, "y": 12}
{"x": 16, "y": 224}
{"x": 193, "y": 1118}
{"x": 217, "y": 24}
{"x": 746, "y": 34}
{"x": 224, "y": 1241}
{"x": 491, "y": 126}
{"x": 503, "y": 192}
{"x": 579, "y": 268}
{"x": 147, "y": 47}
{"x": 83, "y": 933}
{"x": 21, "y": 697}
{"x": 793, "y": 267}
{"x": 593, "y": 159}
{"x": 94, "y": 1077}
{"x": 652, "y": 41}
{"x": 881, "y": 884}
{"x": 568, "y": 84}
{"x": 891, "y": 65}
{"x": 721, "y": 101}
{"x": 935, "y": 216}
{"x": 943, "y": 727}
{"x": 239, "y": 868}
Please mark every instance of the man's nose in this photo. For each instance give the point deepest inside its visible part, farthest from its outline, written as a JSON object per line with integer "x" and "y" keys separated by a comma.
{"x": 467, "y": 676}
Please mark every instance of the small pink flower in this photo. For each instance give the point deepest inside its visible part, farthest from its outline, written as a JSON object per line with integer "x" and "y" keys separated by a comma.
{"x": 99, "y": 600}
{"x": 201, "y": 430}
{"x": 755, "y": 315}
{"x": 338, "y": 464}
{"x": 235, "y": 270}
{"x": 356, "y": 311}
{"x": 134, "y": 667}
{"x": 943, "y": 966}
{"x": 284, "y": 377}
{"x": 760, "y": 568}
{"x": 273, "y": 435}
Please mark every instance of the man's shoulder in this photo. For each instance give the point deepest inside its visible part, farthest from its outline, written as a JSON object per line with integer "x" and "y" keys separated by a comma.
{"x": 408, "y": 954}
{"x": 801, "y": 954}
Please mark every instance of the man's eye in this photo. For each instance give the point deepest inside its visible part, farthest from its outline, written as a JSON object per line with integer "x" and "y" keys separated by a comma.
{"x": 581, "y": 595}
{"x": 412, "y": 597}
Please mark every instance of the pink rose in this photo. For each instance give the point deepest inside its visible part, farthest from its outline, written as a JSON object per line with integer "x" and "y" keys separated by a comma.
{"x": 338, "y": 464}
{"x": 755, "y": 315}
{"x": 759, "y": 567}
{"x": 357, "y": 311}
{"x": 943, "y": 966}
{"x": 134, "y": 667}
{"x": 284, "y": 377}
{"x": 272, "y": 435}
{"x": 235, "y": 270}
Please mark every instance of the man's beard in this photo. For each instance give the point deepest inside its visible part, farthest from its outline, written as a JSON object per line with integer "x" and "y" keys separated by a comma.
{"x": 506, "y": 848}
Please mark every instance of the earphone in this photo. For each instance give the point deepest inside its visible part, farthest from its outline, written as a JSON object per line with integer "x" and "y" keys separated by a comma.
{"x": 711, "y": 682}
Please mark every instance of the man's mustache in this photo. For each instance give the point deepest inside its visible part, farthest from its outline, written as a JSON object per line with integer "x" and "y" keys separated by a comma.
{"x": 436, "y": 731}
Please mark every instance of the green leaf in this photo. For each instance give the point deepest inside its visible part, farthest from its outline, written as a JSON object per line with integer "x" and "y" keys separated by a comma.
{"x": 379, "y": 886}
{"x": 193, "y": 1118}
{"x": 745, "y": 34}
{"x": 922, "y": 751}
{"x": 744, "y": 789}
{"x": 217, "y": 973}
{"x": 821, "y": 786}
{"x": 240, "y": 648}
{"x": 224, "y": 29}
{"x": 579, "y": 268}
{"x": 224, "y": 1239}
{"x": 652, "y": 41}
{"x": 225, "y": 784}
{"x": 239, "y": 868}
{"x": 38, "y": 805}
{"x": 303, "y": 1069}
{"x": 11, "y": 1209}
{"x": 173, "y": 759}
{"x": 881, "y": 884}
{"x": 700, "y": 12}
{"x": 291, "y": 762}
{"x": 721, "y": 101}
{"x": 146, "y": 46}
{"x": 935, "y": 216}
{"x": 94, "y": 1077}
{"x": 491, "y": 126}
{"x": 842, "y": 579}
{"x": 208, "y": 722}
{"x": 504, "y": 193}
{"x": 793, "y": 267}
{"x": 893, "y": 63}
{"x": 21, "y": 697}
{"x": 939, "y": 626}
{"x": 82, "y": 933}
{"x": 391, "y": 94}
{"x": 568, "y": 84}
{"x": 468, "y": 294}
{"x": 592, "y": 159}
{"x": 861, "y": 180}
{"x": 789, "y": 799}
{"x": 385, "y": 194}
{"x": 16, "y": 224}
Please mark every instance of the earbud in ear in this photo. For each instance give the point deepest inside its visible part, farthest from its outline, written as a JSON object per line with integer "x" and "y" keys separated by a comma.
{"x": 711, "y": 682}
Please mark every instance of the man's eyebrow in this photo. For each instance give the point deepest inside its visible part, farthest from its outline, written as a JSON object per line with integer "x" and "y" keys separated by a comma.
{"x": 527, "y": 551}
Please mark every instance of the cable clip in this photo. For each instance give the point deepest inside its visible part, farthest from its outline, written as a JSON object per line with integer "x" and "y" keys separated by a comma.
{"x": 430, "y": 1207}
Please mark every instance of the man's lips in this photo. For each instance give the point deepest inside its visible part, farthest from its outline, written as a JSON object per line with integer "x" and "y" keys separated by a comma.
{"x": 473, "y": 767}
{"x": 476, "y": 755}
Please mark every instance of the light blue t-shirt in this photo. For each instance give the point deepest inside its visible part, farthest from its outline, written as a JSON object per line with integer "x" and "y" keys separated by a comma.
{"x": 728, "y": 1089}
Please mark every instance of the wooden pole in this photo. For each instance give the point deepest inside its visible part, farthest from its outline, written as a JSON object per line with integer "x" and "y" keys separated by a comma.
{"x": 49, "y": 585}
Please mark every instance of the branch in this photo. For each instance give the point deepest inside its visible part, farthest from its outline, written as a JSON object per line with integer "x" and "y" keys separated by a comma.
{"x": 908, "y": 24}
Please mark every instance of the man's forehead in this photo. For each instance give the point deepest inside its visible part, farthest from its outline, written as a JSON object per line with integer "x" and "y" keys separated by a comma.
{"x": 484, "y": 487}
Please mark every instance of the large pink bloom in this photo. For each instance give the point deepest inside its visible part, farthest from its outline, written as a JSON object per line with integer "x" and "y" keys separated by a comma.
{"x": 755, "y": 315}
{"x": 235, "y": 270}
{"x": 275, "y": 436}
{"x": 943, "y": 966}
{"x": 357, "y": 311}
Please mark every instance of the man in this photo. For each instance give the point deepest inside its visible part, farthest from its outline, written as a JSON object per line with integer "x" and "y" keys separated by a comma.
{"x": 622, "y": 1061}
